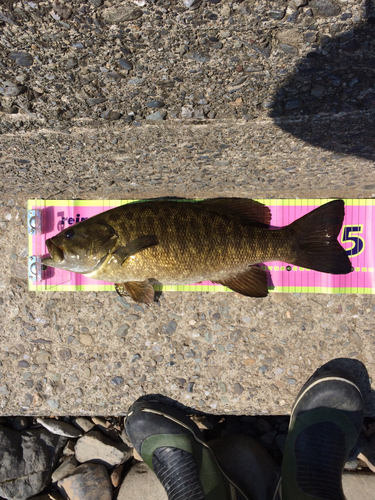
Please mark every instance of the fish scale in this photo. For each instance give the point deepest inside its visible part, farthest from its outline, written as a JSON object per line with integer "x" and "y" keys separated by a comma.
{"x": 190, "y": 240}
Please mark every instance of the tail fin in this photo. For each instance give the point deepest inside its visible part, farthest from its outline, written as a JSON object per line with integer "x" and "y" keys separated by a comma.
{"x": 316, "y": 234}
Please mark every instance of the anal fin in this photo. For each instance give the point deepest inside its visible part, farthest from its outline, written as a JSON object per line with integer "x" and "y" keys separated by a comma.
{"x": 252, "y": 282}
{"x": 139, "y": 291}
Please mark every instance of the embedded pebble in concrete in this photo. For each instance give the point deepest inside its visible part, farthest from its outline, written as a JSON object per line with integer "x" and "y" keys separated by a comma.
{"x": 157, "y": 116}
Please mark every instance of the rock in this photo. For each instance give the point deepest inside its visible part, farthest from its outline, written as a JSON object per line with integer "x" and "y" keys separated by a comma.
{"x": 117, "y": 381}
{"x": 280, "y": 442}
{"x": 95, "y": 100}
{"x": 324, "y": 8}
{"x": 20, "y": 423}
{"x": 4, "y": 391}
{"x": 122, "y": 331}
{"x": 155, "y": 104}
{"x": 62, "y": 10}
{"x": 277, "y": 14}
{"x": 125, "y": 64}
{"x": 55, "y": 495}
{"x": 262, "y": 426}
{"x": 157, "y": 116}
{"x": 367, "y": 455}
{"x": 72, "y": 63}
{"x": 59, "y": 427}
{"x": 288, "y": 49}
{"x": 65, "y": 469}
{"x": 87, "y": 482}
{"x": 101, "y": 422}
{"x": 111, "y": 115}
{"x": 136, "y": 81}
{"x": 121, "y": 13}
{"x": 198, "y": 113}
{"x": 141, "y": 482}
{"x": 117, "y": 475}
{"x": 85, "y": 339}
{"x": 84, "y": 423}
{"x": 238, "y": 389}
{"x": 27, "y": 461}
{"x": 42, "y": 357}
{"x": 196, "y": 56}
{"x": 192, "y": 4}
{"x": 188, "y": 112}
{"x": 292, "y": 104}
{"x": 96, "y": 3}
{"x": 310, "y": 37}
{"x": 361, "y": 482}
{"x": 65, "y": 354}
{"x": 96, "y": 448}
{"x": 112, "y": 76}
{"x": 22, "y": 58}
{"x": 53, "y": 403}
{"x": 268, "y": 438}
{"x": 133, "y": 317}
{"x": 170, "y": 328}
{"x": 69, "y": 448}
{"x": 10, "y": 89}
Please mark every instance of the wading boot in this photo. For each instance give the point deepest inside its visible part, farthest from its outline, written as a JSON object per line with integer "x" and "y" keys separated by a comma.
{"x": 174, "y": 448}
{"x": 325, "y": 424}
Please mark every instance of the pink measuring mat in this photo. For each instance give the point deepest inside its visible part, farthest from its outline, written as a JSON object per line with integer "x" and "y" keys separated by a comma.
{"x": 49, "y": 217}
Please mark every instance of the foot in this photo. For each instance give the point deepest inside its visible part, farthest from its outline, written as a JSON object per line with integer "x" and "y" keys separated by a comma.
{"x": 174, "y": 448}
{"x": 324, "y": 427}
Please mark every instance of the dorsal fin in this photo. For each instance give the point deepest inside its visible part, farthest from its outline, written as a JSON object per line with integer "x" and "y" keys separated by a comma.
{"x": 250, "y": 210}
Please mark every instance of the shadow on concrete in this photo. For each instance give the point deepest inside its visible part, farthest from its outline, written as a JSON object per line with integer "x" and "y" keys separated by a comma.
{"x": 329, "y": 100}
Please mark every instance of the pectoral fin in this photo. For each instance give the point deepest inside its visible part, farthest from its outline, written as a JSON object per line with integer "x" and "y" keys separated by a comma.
{"x": 139, "y": 291}
{"x": 134, "y": 247}
{"x": 252, "y": 283}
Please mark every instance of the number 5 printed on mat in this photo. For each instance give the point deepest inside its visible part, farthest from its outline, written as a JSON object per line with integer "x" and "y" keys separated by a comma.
{"x": 350, "y": 233}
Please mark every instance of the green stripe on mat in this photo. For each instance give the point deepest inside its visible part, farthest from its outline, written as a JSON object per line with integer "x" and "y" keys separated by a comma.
{"x": 197, "y": 288}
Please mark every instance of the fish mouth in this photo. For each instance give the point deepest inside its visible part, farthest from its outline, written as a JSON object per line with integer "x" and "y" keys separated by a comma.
{"x": 55, "y": 252}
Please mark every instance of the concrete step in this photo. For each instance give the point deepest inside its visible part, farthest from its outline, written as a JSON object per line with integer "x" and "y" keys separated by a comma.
{"x": 291, "y": 129}
{"x": 220, "y": 158}
{"x": 61, "y": 351}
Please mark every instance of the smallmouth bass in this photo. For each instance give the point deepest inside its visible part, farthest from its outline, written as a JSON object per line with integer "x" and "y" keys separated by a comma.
{"x": 176, "y": 243}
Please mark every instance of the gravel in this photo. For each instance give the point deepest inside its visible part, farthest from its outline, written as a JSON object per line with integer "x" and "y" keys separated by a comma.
{"x": 89, "y": 463}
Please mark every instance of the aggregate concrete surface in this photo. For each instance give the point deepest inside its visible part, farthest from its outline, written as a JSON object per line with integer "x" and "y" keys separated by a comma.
{"x": 138, "y": 100}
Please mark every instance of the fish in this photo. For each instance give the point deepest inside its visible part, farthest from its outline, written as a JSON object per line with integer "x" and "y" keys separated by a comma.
{"x": 173, "y": 242}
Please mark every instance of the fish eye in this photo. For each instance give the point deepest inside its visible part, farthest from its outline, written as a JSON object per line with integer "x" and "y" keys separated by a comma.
{"x": 69, "y": 234}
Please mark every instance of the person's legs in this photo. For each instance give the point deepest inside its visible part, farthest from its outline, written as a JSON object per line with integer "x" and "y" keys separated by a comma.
{"x": 248, "y": 464}
{"x": 324, "y": 427}
{"x": 173, "y": 447}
